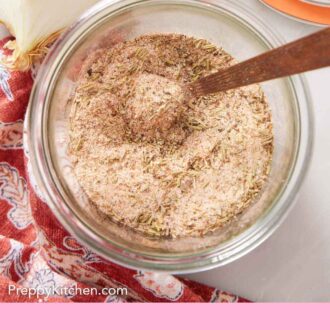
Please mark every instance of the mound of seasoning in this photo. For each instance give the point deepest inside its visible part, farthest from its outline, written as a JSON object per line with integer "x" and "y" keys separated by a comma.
{"x": 160, "y": 163}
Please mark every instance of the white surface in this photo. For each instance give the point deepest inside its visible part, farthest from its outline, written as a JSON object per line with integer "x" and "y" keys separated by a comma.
{"x": 294, "y": 264}
{"x": 325, "y": 3}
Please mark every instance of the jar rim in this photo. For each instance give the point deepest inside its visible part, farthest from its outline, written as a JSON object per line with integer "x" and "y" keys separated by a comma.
{"x": 207, "y": 259}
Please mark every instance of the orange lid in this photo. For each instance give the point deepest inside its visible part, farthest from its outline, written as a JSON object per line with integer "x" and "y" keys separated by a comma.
{"x": 302, "y": 10}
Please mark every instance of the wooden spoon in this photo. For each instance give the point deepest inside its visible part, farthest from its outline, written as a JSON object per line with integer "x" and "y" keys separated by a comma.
{"x": 306, "y": 54}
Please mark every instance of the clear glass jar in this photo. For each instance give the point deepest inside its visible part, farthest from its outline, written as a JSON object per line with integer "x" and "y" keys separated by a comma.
{"x": 224, "y": 23}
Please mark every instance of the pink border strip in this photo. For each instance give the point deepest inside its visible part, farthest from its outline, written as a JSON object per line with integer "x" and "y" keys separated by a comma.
{"x": 164, "y": 316}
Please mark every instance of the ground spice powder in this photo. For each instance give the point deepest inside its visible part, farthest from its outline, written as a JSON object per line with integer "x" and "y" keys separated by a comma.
{"x": 160, "y": 163}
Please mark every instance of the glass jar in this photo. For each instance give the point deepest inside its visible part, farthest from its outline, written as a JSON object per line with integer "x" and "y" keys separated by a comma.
{"x": 224, "y": 23}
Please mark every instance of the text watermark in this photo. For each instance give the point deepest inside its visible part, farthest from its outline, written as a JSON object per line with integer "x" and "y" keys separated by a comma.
{"x": 65, "y": 291}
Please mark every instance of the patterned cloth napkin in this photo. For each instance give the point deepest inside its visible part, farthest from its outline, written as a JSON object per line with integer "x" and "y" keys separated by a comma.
{"x": 36, "y": 252}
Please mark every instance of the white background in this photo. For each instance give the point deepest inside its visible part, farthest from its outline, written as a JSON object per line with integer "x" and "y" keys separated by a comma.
{"x": 294, "y": 264}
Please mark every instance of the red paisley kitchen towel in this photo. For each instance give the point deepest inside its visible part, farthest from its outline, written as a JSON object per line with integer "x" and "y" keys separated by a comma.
{"x": 36, "y": 252}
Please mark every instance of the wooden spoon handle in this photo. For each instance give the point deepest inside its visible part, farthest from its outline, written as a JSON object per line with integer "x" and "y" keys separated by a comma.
{"x": 309, "y": 53}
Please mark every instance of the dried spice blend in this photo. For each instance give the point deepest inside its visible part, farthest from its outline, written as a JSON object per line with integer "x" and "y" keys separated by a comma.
{"x": 160, "y": 163}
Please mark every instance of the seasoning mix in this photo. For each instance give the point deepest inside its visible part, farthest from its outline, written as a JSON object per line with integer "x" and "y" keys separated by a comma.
{"x": 155, "y": 160}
